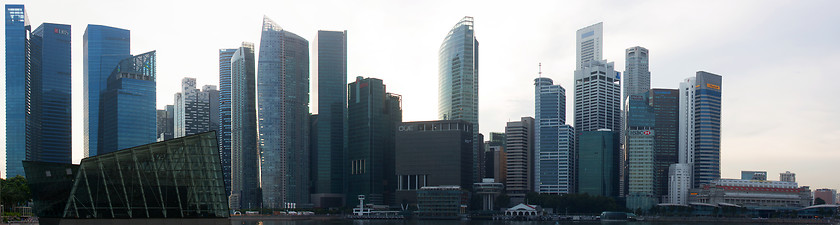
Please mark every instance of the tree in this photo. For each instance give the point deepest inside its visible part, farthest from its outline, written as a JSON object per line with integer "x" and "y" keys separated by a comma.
{"x": 502, "y": 201}
{"x": 819, "y": 201}
{"x": 15, "y": 191}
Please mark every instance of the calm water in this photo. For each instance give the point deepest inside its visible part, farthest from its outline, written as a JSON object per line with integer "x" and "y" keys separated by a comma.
{"x": 457, "y": 222}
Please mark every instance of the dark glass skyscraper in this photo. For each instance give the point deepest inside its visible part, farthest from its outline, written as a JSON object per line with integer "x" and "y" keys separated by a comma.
{"x": 244, "y": 160}
{"x": 127, "y": 106}
{"x": 707, "y": 109}
{"x": 223, "y": 131}
{"x": 38, "y": 97}
{"x": 458, "y": 80}
{"x": 283, "y": 86}
{"x": 104, "y": 48}
{"x": 665, "y": 103}
{"x": 598, "y": 170}
{"x": 373, "y": 117}
{"x": 330, "y": 155}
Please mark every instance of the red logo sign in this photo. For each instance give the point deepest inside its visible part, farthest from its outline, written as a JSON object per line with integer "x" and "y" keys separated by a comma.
{"x": 647, "y": 132}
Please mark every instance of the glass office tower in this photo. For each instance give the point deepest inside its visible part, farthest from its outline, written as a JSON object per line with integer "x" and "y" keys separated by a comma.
{"x": 598, "y": 171}
{"x": 458, "y": 80}
{"x": 17, "y": 89}
{"x": 373, "y": 117}
{"x": 707, "y": 109}
{"x": 104, "y": 48}
{"x": 223, "y": 130}
{"x": 244, "y": 160}
{"x": 331, "y": 131}
{"x": 127, "y": 109}
{"x": 665, "y": 103}
{"x": 554, "y": 140}
{"x": 38, "y": 97}
{"x": 639, "y": 142}
{"x": 283, "y": 86}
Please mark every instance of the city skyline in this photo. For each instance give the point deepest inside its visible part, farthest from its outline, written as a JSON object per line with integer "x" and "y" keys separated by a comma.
{"x": 737, "y": 44}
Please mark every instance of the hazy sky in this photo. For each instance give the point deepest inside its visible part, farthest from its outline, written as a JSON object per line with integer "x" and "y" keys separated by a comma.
{"x": 780, "y": 110}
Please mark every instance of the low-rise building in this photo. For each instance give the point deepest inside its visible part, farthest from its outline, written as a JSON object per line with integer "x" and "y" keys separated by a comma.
{"x": 441, "y": 202}
{"x": 753, "y": 194}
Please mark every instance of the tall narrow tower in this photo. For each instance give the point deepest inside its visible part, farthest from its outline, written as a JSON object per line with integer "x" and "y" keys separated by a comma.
{"x": 554, "y": 161}
{"x": 589, "y": 45}
{"x": 283, "y": 87}
{"x": 329, "y": 155}
{"x": 458, "y": 80}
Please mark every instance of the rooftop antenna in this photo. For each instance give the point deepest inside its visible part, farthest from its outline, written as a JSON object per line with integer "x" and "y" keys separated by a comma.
{"x": 540, "y": 73}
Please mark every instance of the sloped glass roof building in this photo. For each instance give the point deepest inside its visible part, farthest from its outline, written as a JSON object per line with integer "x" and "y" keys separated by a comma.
{"x": 178, "y": 178}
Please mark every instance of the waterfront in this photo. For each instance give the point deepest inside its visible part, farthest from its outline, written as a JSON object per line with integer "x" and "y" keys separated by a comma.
{"x": 489, "y": 222}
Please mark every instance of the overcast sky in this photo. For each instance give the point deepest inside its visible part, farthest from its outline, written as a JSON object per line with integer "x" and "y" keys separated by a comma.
{"x": 780, "y": 110}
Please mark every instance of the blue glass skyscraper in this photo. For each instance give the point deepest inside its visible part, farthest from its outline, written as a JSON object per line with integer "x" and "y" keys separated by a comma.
{"x": 554, "y": 162}
{"x": 50, "y": 94}
{"x": 127, "y": 106}
{"x": 707, "y": 109}
{"x": 283, "y": 90}
{"x": 245, "y": 179}
{"x": 223, "y": 131}
{"x": 458, "y": 80}
{"x": 38, "y": 116}
{"x": 104, "y": 48}
{"x": 17, "y": 89}
{"x": 331, "y": 131}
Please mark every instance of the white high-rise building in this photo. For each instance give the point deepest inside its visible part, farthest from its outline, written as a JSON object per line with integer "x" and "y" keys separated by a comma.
{"x": 554, "y": 165}
{"x": 194, "y": 108}
{"x": 636, "y": 72}
{"x": 590, "y": 44}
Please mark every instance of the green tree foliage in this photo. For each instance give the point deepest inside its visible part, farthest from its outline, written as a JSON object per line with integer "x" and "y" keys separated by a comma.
{"x": 574, "y": 203}
{"x": 502, "y": 201}
{"x": 819, "y": 201}
{"x": 15, "y": 191}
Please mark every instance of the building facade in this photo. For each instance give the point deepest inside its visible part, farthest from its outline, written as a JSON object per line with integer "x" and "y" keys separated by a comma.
{"x": 166, "y": 123}
{"x": 38, "y": 97}
{"x": 598, "y": 170}
{"x": 432, "y": 153}
{"x": 787, "y": 176}
{"x": 665, "y": 103}
{"x": 636, "y": 71}
{"x": 458, "y": 80}
{"x": 224, "y": 119}
{"x": 104, "y": 48}
{"x": 519, "y": 151}
{"x": 827, "y": 195}
{"x": 283, "y": 86}
{"x": 639, "y": 137}
{"x": 590, "y": 45}
{"x": 244, "y": 159}
{"x": 195, "y": 108}
{"x": 441, "y": 202}
{"x": 127, "y": 106}
{"x": 329, "y": 164}
{"x": 753, "y": 194}
{"x": 373, "y": 117}
{"x": 753, "y": 175}
{"x": 554, "y": 140}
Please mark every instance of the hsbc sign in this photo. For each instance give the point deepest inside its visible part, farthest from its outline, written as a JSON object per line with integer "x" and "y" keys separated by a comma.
{"x": 640, "y": 133}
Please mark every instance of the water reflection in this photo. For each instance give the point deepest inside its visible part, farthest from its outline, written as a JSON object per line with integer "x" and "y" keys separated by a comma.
{"x": 450, "y": 222}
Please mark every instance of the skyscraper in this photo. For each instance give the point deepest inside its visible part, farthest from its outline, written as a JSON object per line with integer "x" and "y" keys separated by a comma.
{"x": 639, "y": 140}
{"x": 104, "y": 48}
{"x": 519, "y": 149}
{"x": 707, "y": 109}
{"x": 38, "y": 115}
{"x": 283, "y": 86}
{"x": 18, "y": 136}
{"x": 166, "y": 123}
{"x": 432, "y": 153}
{"x": 373, "y": 117}
{"x": 598, "y": 170}
{"x": 245, "y": 180}
{"x": 224, "y": 119}
{"x": 127, "y": 106}
{"x": 554, "y": 140}
{"x": 699, "y": 135}
{"x": 458, "y": 80}
{"x": 665, "y": 103}
{"x": 331, "y": 131}
{"x": 636, "y": 72}
{"x": 589, "y": 45}
{"x": 194, "y": 108}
